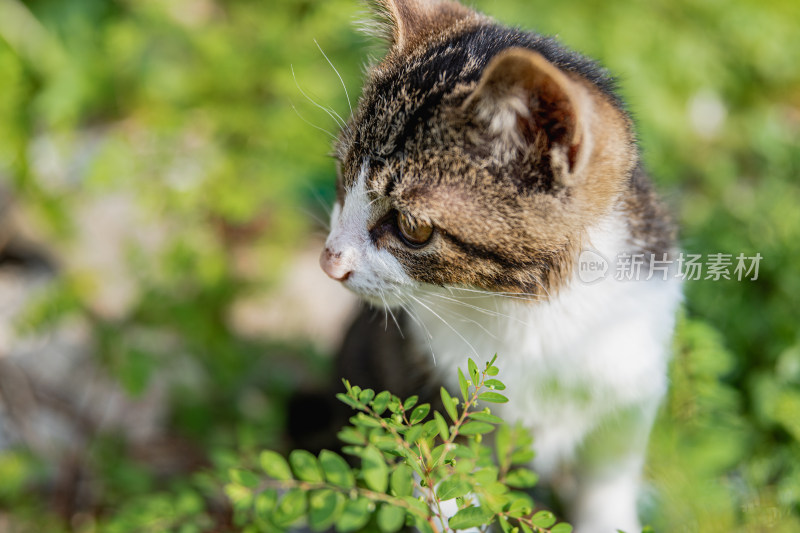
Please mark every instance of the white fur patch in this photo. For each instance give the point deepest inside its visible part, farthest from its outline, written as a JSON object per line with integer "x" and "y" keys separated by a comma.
{"x": 376, "y": 273}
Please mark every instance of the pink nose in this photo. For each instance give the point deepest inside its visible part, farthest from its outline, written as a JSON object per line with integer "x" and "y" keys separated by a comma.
{"x": 333, "y": 265}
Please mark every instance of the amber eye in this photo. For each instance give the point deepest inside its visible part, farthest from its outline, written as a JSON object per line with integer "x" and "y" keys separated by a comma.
{"x": 413, "y": 232}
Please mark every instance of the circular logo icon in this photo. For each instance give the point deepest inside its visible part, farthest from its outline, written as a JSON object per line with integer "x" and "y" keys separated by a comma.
{"x": 592, "y": 266}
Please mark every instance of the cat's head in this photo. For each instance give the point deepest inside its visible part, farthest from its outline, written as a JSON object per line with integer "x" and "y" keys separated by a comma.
{"x": 479, "y": 156}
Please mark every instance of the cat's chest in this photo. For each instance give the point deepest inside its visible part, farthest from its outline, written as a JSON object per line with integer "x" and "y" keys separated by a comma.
{"x": 589, "y": 350}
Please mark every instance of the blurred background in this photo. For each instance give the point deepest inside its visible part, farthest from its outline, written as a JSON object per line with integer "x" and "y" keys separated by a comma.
{"x": 163, "y": 192}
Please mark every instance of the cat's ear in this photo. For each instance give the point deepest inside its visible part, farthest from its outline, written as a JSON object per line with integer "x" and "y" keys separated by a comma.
{"x": 405, "y": 22}
{"x": 528, "y": 103}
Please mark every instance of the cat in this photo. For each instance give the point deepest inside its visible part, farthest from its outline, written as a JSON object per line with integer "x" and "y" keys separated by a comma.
{"x": 480, "y": 165}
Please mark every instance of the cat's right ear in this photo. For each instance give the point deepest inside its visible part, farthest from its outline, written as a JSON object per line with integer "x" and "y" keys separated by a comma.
{"x": 403, "y": 23}
{"x": 527, "y": 103}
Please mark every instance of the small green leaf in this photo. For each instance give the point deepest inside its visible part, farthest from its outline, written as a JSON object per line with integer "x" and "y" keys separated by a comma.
{"x": 381, "y": 402}
{"x": 396, "y": 423}
{"x": 366, "y": 396}
{"x": 443, "y": 429}
{"x": 413, "y": 462}
{"x": 239, "y": 495}
{"x": 563, "y": 527}
{"x": 351, "y": 435}
{"x": 471, "y": 517}
{"x": 419, "y": 414}
{"x": 476, "y": 428}
{"x": 291, "y": 507}
{"x": 436, "y": 453}
{"x": 413, "y": 434}
{"x": 449, "y": 406}
{"x": 374, "y": 469}
{"x": 465, "y": 466}
{"x": 402, "y": 481}
{"x": 473, "y": 371}
{"x": 492, "y": 370}
{"x": 364, "y": 420}
{"x": 275, "y": 465}
{"x": 495, "y": 384}
{"x": 464, "y": 452}
{"x": 494, "y": 397}
{"x": 430, "y": 429}
{"x": 521, "y": 504}
{"x": 495, "y": 488}
{"x": 410, "y": 402}
{"x": 243, "y": 477}
{"x": 353, "y": 450}
{"x": 348, "y": 400}
{"x": 305, "y": 466}
{"x": 485, "y": 417}
{"x": 355, "y": 515}
{"x": 390, "y": 518}
{"x": 543, "y": 519}
{"x": 502, "y": 441}
{"x": 325, "y": 508}
{"x": 265, "y": 503}
{"x": 522, "y": 457}
{"x": 385, "y": 443}
{"x": 452, "y": 488}
{"x": 462, "y": 384}
{"x": 336, "y": 469}
{"x": 394, "y": 404}
{"x": 521, "y": 478}
{"x": 415, "y": 503}
{"x": 486, "y": 475}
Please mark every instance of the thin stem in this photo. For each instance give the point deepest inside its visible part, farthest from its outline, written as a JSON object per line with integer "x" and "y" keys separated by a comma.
{"x": 465, "y": 411}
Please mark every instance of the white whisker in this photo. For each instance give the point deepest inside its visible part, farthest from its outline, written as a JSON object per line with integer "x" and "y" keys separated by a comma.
{"x": 394, "y": 319}
{"x": 385, "y": 315}
{"x": 331, "y": 113}
{"x": 462, "y": 317}
{"x": 325, "y": 205}
{"x": 532, "y": 297}
{"x": 406, "y": 306}
{"x": 332, "y": 136}
{"x": 321, "y": 222}
{"x": 478, "y": 308}
{"x": 446, "y": 323}
{"x": 337, "y": 73}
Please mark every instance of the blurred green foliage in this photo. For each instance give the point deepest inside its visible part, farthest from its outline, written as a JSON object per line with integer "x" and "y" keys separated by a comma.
{"x": 189, "y": 106}
{"x": 412, "y": 461}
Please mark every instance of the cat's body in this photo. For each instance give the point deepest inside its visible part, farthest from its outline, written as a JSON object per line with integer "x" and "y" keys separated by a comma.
{"x": 590, "y": 361}
{"x": 480, "y": 163}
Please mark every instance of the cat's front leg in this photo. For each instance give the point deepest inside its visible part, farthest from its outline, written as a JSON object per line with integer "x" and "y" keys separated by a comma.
{"x": 603, "y": 491}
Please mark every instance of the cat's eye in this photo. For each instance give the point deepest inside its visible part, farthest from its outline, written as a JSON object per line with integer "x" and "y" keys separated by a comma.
{"x": 413, "y": 232}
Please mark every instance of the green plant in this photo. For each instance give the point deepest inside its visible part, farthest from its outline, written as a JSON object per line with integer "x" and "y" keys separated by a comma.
{"x": 412, "y": 461}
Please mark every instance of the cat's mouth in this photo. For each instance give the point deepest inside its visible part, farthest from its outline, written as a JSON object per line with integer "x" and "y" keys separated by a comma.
{"x": 376, "y": 292}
